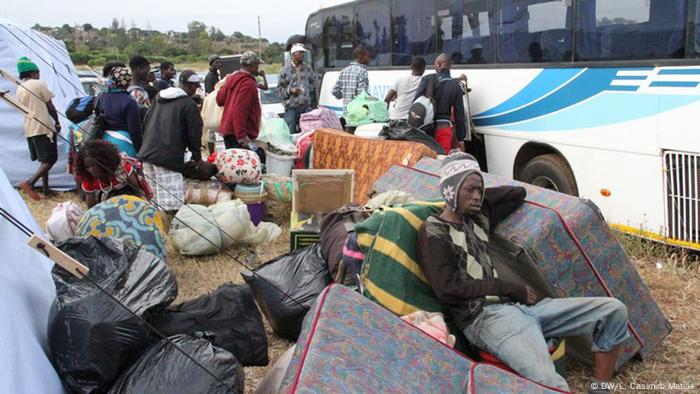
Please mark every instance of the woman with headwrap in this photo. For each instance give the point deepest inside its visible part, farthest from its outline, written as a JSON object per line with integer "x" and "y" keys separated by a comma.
{"x": 122, "y": 121}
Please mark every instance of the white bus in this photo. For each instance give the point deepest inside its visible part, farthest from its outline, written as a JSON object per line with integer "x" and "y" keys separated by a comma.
{"x": 595, "y": 98}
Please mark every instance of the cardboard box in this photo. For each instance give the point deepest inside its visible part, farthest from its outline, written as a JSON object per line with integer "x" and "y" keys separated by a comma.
{"x": 321, "y": 191}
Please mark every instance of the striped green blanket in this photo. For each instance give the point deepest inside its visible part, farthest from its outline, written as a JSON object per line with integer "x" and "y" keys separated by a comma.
{"x": 391, "y": 275}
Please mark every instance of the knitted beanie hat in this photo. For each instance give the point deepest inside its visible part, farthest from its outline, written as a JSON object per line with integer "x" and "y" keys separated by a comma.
{"x": 454, "y": 170}
{"x": 25, "y": 65}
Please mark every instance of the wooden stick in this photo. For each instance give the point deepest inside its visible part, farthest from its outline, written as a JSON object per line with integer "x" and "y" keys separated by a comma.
{"x": 58, "y": 256}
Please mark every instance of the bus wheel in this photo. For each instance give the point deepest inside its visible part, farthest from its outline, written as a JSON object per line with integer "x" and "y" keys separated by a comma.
{"x": 551, "y": 172}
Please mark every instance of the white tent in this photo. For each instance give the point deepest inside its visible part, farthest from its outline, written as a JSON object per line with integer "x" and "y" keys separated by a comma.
{"x": 26, "y": 291}
{"x": 57, "y": 70}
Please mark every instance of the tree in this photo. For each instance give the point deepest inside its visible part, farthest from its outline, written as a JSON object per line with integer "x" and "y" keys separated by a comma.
{"x": 88, "y": 27}
{"x": 194, "y": 36}
{"x": 115, "y": 24}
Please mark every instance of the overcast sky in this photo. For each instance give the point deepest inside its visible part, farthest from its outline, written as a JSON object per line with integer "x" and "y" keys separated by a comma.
{"x": 279, "y": 19}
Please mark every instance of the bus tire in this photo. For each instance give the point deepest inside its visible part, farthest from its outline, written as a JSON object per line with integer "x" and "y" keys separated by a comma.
{"x": 551, "y": 172}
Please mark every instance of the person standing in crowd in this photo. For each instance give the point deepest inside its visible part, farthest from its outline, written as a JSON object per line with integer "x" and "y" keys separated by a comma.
{"x": 295, "y": 85}
{"x": 41, "y": 130}
{"x": 213, "y": 75}
{"x": 353, "y": 79}
{"x": 173, "y": 124}
{"x": 449, "y": 105}
{"x": 122, "y": 121}
{"x": 167, "y": 73}
{"x": 140, "y": 73}
{"x": 404, "y": 90}
{"x": 240, "y": 122}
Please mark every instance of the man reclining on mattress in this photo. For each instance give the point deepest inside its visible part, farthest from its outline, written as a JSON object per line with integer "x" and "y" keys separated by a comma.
{"x": 506, "y": 319}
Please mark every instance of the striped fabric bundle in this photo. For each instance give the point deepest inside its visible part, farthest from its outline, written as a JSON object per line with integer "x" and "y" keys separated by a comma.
{"x": 391, "y": 275}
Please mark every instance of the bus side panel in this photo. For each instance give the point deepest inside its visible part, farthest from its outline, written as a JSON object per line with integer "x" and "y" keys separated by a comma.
{"x": 635, "y": 182}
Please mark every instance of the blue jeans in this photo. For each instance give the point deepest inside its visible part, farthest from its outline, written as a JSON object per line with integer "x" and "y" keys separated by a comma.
{"x": 515, "y": 333}
{"x": 291, "y": 116}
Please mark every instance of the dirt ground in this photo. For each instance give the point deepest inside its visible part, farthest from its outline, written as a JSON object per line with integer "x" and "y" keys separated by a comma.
{"x": 673, "y": 280}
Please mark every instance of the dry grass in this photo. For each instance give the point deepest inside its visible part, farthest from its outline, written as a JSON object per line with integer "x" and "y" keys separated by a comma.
{"x": 675, "y": 286}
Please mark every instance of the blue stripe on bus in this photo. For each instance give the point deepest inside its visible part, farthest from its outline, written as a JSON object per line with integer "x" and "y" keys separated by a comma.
{"x": 544, "y": 82}
{"x": 603, "y": 110}
{"x": 589, "y": 83}
{"x": 623, "y": 88}
{"x": 683, "y": 71}
{"x": 673, "y": 84}
{"x": 631, "y": 77}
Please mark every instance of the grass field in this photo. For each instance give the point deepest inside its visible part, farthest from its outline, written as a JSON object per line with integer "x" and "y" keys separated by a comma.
{"x": 672, "y": 276}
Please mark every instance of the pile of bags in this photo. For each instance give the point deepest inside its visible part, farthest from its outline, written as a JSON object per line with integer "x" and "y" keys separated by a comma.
{"x": 366, "y": 109}
{"x": 99, "y": 339}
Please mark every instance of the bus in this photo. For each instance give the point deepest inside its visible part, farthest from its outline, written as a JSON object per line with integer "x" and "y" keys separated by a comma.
{"x": 594, "y": 98}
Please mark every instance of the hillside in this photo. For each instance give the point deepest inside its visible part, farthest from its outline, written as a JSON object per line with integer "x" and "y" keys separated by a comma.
{"x": 92, "y": 46}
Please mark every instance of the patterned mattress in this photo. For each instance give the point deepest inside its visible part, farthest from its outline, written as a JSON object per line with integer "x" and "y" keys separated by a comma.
{"x": 349, "y": 344}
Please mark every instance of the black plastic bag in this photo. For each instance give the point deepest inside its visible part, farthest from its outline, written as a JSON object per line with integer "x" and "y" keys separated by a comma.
{"x": 228, "y": 318}
{"x": 92, "y": 339}
{"x": 164, "y": 369}
{"x": 400, "y": 130}
{"x": 285, "y": 288}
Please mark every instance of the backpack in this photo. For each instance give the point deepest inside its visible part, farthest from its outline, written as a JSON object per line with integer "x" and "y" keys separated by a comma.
{"x": 80, "y": 108}
{"x": 421, "y": 114}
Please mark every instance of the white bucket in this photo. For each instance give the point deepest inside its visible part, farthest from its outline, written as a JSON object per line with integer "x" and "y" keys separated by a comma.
{"x": 278, "y": 164}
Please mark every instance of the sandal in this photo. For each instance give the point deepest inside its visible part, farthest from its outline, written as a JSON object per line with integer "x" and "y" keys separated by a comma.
{"x": 29, "y": 191}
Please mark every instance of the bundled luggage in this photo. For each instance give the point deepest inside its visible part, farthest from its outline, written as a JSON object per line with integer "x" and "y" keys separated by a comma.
{"x": 239, "y": 166}
{"x": 365, "y": 109}
{"x": 163, "y": 369}
{"x": 285, "y": 288}
{"x": 91, "y": 337}
{"x": 228, "y": 318}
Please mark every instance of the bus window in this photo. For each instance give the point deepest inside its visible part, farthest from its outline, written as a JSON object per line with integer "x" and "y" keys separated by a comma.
{"x": 338, "y": 38}
{"x": 630, "y": 29}
{"x": 413, "y": 31}
{"x": 372, "y": 30}
{"x": 694, "y": 27}
{"x": 464, "y": 30}
{"x": 314, "y": 39}
{"x": 533, "y": 31}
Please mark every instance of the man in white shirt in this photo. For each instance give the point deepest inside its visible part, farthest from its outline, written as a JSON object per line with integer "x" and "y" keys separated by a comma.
{"x": 404, "y": 90}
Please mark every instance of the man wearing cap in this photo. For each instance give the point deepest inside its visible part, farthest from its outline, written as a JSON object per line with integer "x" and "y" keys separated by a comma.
{"x": 240, "y": 121}
{"x": 213, "y": 75}
{"x": 296, "y": 83}
{"x": 172, "y": 125}
{"x": 507, "y": 319}
{"x": 41, "y": 128}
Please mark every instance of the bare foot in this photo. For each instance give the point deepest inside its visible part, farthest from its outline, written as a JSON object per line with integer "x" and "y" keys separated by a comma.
{"x": 29, "y": 191}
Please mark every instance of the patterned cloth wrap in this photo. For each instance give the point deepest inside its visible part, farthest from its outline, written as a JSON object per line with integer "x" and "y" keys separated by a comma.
{"x": 206, "y": 192}
{"x": 539, "y": 232}
{"x": 239, "y": 166}
{"x": 368, "y": 157}
{"x": 349, "y": 344}
{"x": 127, "y": 218}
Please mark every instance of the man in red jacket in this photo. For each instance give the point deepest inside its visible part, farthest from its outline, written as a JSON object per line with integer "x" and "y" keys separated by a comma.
{"x": 240, "y": 122}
